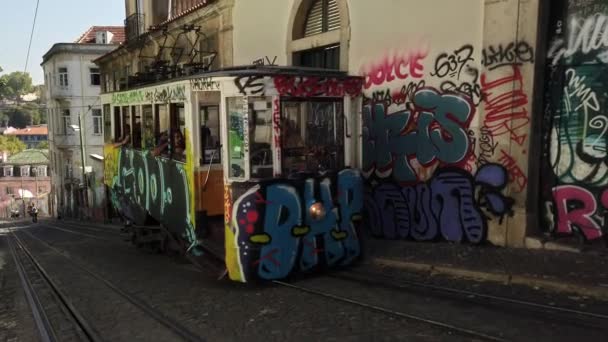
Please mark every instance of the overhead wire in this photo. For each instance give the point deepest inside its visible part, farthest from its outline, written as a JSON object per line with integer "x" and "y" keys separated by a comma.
{"x": 29, "y": 48}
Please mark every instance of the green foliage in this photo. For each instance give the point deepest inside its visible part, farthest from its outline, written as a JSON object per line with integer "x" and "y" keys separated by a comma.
{"x": 43, "y": 145}
{"x": 11, "y": 144}
{"x": 21, "y": 115}
{"x": 15, "y": 84}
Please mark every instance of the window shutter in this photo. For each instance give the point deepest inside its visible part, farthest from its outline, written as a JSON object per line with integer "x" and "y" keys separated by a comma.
{"x": 323, "y": 16}
{"x": 314, "y": 20}
{"x": 333, "y": 16}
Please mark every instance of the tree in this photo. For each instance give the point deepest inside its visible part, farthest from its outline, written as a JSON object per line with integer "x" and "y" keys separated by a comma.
{"x": 15, "y": 85}
{"x": 21, "y": 115}
{"x": 43, "y": 145}
{"x": 11, "y": 144}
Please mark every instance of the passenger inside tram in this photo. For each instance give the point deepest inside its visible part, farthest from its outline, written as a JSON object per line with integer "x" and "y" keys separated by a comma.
{"x": 126, "y": 137}
{"x": 179, "y": 145}
{"x": 162, "y": 144}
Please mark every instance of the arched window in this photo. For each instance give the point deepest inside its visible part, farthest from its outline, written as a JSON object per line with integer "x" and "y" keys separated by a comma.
{"x": 326, "y": 21}
{"x": 323, "y": 16}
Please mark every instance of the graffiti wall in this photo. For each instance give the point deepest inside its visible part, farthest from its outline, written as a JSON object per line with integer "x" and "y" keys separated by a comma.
{"x": 272, "y": 232}
{"x": 575, "y": 196}
{"x": 446, "y": 118}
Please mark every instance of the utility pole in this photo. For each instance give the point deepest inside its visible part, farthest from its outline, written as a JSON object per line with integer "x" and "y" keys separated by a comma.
{"x": 82, "y": 159}
{"x": 22, "y": 194}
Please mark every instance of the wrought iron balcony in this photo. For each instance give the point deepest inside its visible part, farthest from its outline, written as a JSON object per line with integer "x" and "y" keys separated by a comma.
{"x": 135, "y": 26}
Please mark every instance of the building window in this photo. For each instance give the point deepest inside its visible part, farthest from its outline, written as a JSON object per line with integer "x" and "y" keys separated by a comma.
{"x": 8, "y": 171}
{"x": 97, "y": 122}
{"x": 25, "y": 171}
{"x": 323, "y": 16}
{"x": 67, "y": 122}
{"x": 95, "y": 76}
{"x": 63, "y": 77}
{"x": 9, "y": 191}
{"x": 319, "y": 17}
{"x": 327, "y": 57}
{"x": 41, "y": 171}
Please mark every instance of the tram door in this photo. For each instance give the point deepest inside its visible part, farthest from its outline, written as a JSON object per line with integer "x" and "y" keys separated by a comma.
{"x": 209, "y": 174}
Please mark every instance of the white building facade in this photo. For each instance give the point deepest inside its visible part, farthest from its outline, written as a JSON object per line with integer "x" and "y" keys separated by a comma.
{"x": 72, "y": 87}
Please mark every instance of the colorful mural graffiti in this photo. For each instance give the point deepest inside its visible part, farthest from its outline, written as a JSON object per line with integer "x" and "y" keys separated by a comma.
{"x": 442, "y": 144}
{"x": 299, "y": 86}
{"x": 392, "y": 141}
{"x": 143, "y": 185}
{"x": 576, "y": 126}
{"x": 450, "y": 205}
{"x": 272, "y": 233}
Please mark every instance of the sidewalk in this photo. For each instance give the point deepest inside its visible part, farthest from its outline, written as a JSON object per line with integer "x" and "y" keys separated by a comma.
{"x": 582, "y": 273}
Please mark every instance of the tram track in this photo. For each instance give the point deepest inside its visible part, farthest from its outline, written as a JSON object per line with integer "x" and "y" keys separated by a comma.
{"x": 171, "y": 327}
{"x": 55, "y": 316}
{"x": 382, "y": 280}
{"x": 400, "y": 314}
{"x": 564, "y": 315}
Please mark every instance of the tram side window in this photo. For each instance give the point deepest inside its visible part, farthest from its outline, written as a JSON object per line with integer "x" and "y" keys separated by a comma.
{"x": 237, "y": 119}
{"x": 210, "y": 134}
{"x": 178, "y": 129}
{"x": 161, "y": 130}
{"x": 136, "y": 127}
{"x": 117, "y": 125}
{"x": 148, "y": 130}
{"x": 107, "y": 124}
{"x": 313, "y": 136}
{"x": 125, "y": 138}
{"x": 260, "y": 136}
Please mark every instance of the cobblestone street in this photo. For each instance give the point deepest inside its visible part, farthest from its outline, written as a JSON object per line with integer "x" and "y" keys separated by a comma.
{"x": 126, "y": 294}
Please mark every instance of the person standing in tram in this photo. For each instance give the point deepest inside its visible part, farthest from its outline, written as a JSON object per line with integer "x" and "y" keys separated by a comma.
{"x": 126, "y": 137}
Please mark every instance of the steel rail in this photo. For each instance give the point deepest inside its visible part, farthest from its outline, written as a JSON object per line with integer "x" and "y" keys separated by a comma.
{"x": 75, "y": 315}
{"x": 464, "y": 331}
{"x": 173, "y": 326}
{"x": 403, "y": 284}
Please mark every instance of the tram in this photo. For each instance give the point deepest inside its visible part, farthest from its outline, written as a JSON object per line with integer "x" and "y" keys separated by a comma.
{"x": 257, "y": 165}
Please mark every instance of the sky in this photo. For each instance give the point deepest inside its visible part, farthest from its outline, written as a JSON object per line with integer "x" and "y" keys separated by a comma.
{"x": 59, "y": 21}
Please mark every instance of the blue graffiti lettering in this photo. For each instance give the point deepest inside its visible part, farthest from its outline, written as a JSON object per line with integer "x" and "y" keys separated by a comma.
{"x": 288, "y": 238}
{"x": 446, "y": 205}
{"x": 434, "y": 131}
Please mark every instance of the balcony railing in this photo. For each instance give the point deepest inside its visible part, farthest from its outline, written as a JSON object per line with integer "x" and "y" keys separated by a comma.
{"x": 134, "y": 26}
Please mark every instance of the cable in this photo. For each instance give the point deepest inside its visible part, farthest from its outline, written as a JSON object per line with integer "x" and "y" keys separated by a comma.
{"x": 29, "y": 48}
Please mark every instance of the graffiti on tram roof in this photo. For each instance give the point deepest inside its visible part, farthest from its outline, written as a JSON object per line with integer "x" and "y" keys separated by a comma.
{"x": 128, "y": 97}
{"x": 204, "y": 84}
{"x": 162, "y": 94}
{"x": 299, "y": 86}
{"x": 167, "y": 94}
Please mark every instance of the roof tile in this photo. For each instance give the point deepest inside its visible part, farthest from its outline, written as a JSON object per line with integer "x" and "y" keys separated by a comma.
{"x": 89, "y": 36}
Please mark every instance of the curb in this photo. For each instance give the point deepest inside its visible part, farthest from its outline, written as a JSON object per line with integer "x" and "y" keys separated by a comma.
{"x": 597, "y": 292}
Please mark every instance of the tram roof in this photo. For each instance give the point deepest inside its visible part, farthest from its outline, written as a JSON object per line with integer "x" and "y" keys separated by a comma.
{"x": 259, "y": 70}
{"x": 254, "y": 70}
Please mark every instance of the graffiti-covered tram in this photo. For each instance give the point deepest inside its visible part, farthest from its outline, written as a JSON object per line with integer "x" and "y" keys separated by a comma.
{"x": 256, "y": 164}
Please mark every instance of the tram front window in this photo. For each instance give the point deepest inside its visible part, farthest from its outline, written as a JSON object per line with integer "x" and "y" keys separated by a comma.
{"x": 260, "y": 135}
{"x": 210, "y": 134}
{"x": 313, "y": 136}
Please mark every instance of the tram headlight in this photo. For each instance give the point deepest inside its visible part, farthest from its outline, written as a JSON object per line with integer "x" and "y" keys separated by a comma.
{"x": 317, "y": 211}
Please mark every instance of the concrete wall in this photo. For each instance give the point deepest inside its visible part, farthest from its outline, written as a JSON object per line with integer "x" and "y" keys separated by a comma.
{"x": 447, "y": 120}
{"x": 255, "y": 38}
